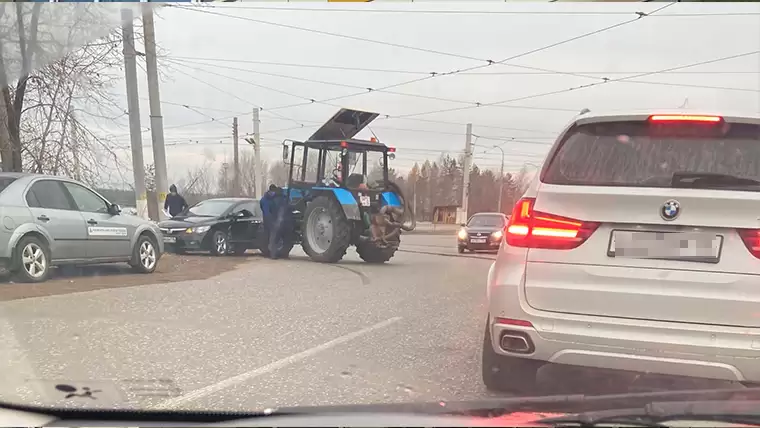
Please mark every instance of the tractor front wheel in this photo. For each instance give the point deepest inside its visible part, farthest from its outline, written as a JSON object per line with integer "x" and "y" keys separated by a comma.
{"x": 326, "y": 231}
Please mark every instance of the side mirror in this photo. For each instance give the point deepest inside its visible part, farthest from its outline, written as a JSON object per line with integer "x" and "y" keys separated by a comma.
{"x": 285, "y": 153}
{"x": 114, "y": 209}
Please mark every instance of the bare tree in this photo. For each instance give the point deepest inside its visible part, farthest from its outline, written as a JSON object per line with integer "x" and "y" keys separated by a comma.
{"x": 50, "y": 113}
{"x": 278, "y": 173}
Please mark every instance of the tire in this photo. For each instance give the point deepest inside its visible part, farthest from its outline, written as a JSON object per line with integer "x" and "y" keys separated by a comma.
{"x": 371, "y": 253}
{"x": 460, "y": 250}
{"x": 508, "y": 374}
{"x": 37, "y": 253}
{"x": 144, "y": 255}
{"x": 326, "y": 212}
{"x": 218, "y": 243}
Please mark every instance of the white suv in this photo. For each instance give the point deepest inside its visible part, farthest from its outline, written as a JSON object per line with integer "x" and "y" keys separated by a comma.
{"x": 636, "y": 248}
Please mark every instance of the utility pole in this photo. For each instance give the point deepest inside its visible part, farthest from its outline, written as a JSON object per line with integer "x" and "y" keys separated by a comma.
{"x": 133, "y": 106}
{"x": 260, "y": 186}
{"x": 156, "y": 120}
{"x": 236, "y": 159}
{"x": 466, "y": 171}
{"x": 501, "y": 177}
{"x": 414, "y": 193}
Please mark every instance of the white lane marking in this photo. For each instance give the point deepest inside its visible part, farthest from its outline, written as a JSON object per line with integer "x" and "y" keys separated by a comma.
{"x": 174, "y": 403}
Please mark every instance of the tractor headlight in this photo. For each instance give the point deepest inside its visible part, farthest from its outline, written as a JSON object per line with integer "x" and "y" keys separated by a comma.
{"x": 462, "y": 234}
{"x": 497, "y": 235}
{"x": 198, "y": 229}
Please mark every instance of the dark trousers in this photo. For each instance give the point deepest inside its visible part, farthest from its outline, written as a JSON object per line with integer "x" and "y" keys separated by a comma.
{"x": 275, "y": 234}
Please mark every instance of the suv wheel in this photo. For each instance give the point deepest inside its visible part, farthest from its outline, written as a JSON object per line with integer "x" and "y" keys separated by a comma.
{"x": 508, "y": 374}
{"x": 31, "y": 260}
{"x": 144, "y": 255}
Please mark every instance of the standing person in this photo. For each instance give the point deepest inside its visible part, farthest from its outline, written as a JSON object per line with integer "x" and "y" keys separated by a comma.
{"x": 282, "y": 223}
{"x": 269, "y": 210}
{"x": 174, "y": 203}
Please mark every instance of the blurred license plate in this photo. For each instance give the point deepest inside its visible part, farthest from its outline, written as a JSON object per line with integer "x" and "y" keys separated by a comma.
{"x": 478, "y": 240}
{"x": 170, "y": 239}
{"x": 687, "y": 246}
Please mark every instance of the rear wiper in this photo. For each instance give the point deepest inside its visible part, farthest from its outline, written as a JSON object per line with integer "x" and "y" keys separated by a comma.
{"x": 660, "y": 414}
{"x": 708, "y": 179}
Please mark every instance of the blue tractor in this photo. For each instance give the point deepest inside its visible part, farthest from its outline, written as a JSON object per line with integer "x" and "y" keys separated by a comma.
{"x": 340, "y": 193}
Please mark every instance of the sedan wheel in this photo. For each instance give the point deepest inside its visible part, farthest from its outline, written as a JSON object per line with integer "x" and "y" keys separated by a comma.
{"x": 219, "y": 243}
{"x": 144, "y": 256}
{"x": 32, "y": 260}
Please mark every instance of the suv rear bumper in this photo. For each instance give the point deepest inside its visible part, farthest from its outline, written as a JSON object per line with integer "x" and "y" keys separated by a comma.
{"x": 668, "y": 348}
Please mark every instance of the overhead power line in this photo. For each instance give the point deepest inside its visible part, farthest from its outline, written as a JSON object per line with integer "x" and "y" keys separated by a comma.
{"x": 420, "y": 72}
{"x": 576, "y": 88}
{"x": 364, "y": 10}
{"x": 472, "y": 103}
{"x": 485, "y": 62}
{"x": 342, "y": 85}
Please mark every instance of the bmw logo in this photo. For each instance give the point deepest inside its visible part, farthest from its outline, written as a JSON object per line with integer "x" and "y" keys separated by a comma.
{"x": 670, "y": 210}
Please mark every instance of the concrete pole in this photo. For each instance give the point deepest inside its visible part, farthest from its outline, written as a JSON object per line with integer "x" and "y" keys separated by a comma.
{"x": 260, "y": 187}
{"x": 235, "y": 159}
{"x": 414, "y": 191}
{"x": 466, "y": 171}
{"x": 156, "y": 120}
{"x": 501, "y": 177}
{"x": 133, "y": 106}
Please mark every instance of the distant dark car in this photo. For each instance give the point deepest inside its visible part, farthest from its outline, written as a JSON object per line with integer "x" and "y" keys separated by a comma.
{"x": 483, "y": 232}
{"x": 219, "y": 226}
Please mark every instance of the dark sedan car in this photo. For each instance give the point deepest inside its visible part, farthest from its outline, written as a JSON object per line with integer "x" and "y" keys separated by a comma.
{"x": 483, "y": 232}
{"x": 219, "y": 226}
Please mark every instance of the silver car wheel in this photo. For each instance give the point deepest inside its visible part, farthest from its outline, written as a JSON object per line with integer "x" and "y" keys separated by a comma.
{"x": 221, "y": 244}
{"x": 34, "y": 261}
{"x": 147, "y": 255}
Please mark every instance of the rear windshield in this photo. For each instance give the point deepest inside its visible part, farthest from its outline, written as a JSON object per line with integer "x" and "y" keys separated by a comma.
{"x": 644, "y": 154}
{"x": 486, "y": 221}
{"x": 5, "y": 182}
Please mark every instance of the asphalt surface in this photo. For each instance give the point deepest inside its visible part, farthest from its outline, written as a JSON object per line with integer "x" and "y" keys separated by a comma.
{"x": 269, "y": 334}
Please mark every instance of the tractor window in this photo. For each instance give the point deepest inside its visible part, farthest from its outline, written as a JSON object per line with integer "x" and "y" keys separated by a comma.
{"x": 298, "y": 152}
{"x": 312, "y": 164}
{"x": 375, "y": 167}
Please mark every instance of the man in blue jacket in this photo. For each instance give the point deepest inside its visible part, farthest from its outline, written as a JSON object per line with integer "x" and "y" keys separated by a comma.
{"x": 273, "y": 207}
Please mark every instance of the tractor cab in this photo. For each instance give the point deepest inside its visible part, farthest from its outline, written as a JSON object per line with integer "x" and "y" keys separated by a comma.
{"x": 332, "y": 158}
{"x": 343, "y": 178}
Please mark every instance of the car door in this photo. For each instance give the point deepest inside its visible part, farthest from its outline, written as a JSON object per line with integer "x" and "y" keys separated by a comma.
{"x": 245, "y": 219}
{"x": 54, "y": 212}
{"x": 107, "y": 234}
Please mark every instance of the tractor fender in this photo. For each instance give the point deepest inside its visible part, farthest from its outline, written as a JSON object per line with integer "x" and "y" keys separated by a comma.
{"x": 346, "y": 200}
{"x": 392, "y": 199}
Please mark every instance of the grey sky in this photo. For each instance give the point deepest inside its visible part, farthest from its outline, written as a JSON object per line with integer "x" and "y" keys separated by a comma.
{"x": 651, "y": 43}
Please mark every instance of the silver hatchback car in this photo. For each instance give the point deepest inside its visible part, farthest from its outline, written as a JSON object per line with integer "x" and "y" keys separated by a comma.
{"x": 637, "y": 248}
{"x": 49, "y": 221}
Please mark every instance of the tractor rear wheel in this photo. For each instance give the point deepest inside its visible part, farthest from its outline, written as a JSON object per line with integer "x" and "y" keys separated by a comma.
{"x": 326, "y": 231}
{"x": 371, "y": 253}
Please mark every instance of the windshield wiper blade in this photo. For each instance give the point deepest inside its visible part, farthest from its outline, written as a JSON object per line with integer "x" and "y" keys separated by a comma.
{"x": 707, "y": 179}
{"x": 659, "y": 414}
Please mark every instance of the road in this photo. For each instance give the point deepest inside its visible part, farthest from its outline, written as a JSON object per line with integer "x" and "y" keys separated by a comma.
{"x": 268, "y": 334}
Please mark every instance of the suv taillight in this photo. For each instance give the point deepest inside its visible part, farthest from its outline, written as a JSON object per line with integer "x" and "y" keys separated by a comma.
{"x": 535, "y": 229}
{"x": 751, "y": 239}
